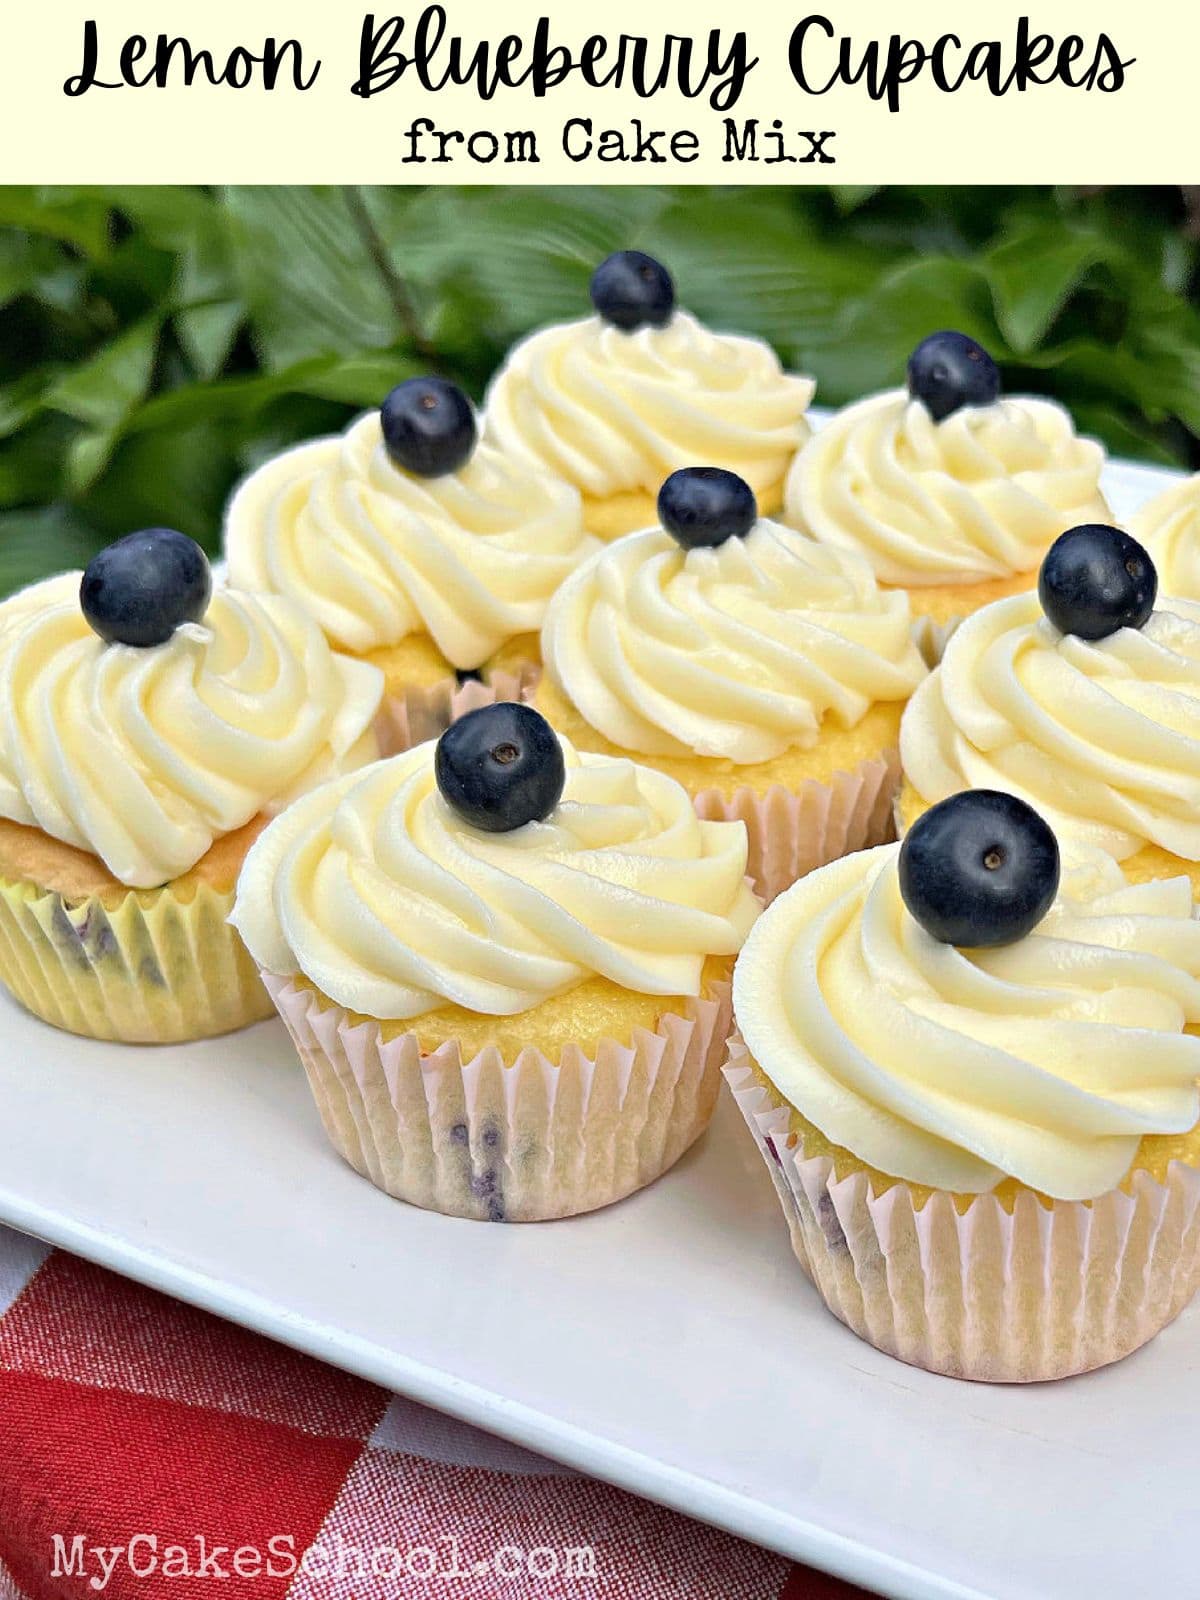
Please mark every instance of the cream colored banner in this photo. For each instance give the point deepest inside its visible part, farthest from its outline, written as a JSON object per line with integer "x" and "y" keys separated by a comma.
{"x": 762, "y": 91}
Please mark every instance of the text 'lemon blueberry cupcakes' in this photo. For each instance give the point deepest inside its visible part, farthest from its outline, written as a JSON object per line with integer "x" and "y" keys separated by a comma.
{"x": 505, "y": 966}
{"x": 948, "y": 488}
{"x": 616, "y": 402}
{"x": 150, "y": 729}
{"x": 975, "y": 1089}
{"x": 764, "y": 671}
{"x": 415, "y": 547}
{"x": 1083, "y": 700}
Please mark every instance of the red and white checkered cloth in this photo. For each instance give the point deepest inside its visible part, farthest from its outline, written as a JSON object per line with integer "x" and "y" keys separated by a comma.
{"x": 165, "y": 1447}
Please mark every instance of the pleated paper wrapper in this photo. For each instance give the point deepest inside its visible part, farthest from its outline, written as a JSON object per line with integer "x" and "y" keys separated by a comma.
{"x": 794, "y": 831}
{"x": 525, "y": 1142}
{"x": 1043, "y": 1291}
{"x": 414, "y": 715}
{"x": 149, "y": 968}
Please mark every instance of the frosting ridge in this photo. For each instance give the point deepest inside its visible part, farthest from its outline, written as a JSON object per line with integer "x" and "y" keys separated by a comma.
{"x": 1102, "y": 738}
{"x": 737, "y": 652}
{"x": 380, "y": 894}
{"x": 376, "y": 553}
{"x": 615, "y": 412}
{"x": 980, "y": 495}
{"x": 144, "y": 757}
{"x": 1046, "y": 1060}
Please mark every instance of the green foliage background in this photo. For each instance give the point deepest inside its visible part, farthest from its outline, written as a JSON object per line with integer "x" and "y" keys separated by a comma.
{"x": 157, "y": 343}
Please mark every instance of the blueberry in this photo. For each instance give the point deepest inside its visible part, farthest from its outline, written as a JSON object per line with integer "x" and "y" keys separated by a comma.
{"x": 500, "y": 767}
{"x": 979, "y": 869}
{"x": 1096, "y": 580}
{"x": 428, "y": 426}
{"x": 138, "y": 590}
{"x": 632, "y": 290}
{"x": 948, "y": 370}
{"x": 706, "y": 506}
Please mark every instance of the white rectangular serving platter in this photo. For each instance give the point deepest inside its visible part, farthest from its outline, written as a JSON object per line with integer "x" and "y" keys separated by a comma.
{"x": 669, "y": 1344}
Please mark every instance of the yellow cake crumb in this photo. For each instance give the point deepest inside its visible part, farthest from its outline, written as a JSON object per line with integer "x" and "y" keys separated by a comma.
{"x": 1154, "y": 1155}
{"x": 27, "y": 855}
{"x": 942, "y": 602}
{"x": 594, "y": 1010}
{"x": 836, "y": 750}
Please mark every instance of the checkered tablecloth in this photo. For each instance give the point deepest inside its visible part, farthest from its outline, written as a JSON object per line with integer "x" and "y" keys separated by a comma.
{"x": 148, "y": 1449}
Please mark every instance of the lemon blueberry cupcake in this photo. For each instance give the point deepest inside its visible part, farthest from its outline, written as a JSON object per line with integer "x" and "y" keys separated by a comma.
{"x": 505, "y": 966}
{"x": 415, "y": 547}
{"x": 949, "y": 489}
{"x": 973, "y": 1080}
{"x": 151, "y": 727}
{"x": 616, "y": 402}
{"x": 1083, "y": 700}
{"x": 763, "y": 671}
{"x": 1169, "y": 527}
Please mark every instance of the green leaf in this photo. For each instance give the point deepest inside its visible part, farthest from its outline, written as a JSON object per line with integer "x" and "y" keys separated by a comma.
{"x": 101, "y": 392}
{"x": 306, "y": 275}
{"x": 36, "y": 542}
{"x": 1033, "y": 272}
{"x": 207, "y": 333}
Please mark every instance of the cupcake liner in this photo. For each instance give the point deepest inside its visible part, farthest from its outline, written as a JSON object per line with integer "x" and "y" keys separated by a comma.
{"x": 417, "y": 714}
{"x": 1044, "y": 1291}
{"x": 794, "y": 831}
{"x": 150, "y": 969}
{"x": 538, "y": 1139}
{"x": 931, "y": 637}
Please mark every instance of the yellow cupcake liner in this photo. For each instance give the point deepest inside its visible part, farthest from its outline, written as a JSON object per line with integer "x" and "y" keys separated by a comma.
{"x": 151, "y": 968}
{"x": 791, "y": 832}
{"x": 1041, "y": 1291}
{"x": 525, "y": 1142}
{"x": 418, "y": 713}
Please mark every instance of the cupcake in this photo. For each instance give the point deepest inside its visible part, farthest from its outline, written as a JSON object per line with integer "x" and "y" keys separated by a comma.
{"x": 1169, "y": 527}
{"x": 151, "y": 728}
{"x": 974, "y": 1087}
{"x": 618, "y": 401}
{"x": 763, "y": 671}
{"x": 947, "y": 489}
{"x": 1084, "y": 702}
{"x": 505, "y": 966}
{"x": 415, "y": 547}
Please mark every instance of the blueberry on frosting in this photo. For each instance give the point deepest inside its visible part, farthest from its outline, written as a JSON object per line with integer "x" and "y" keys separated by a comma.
{"x": 632, "y": 290}
{"x": 138, "y": 590}
{"x": 979, "y": 869}
{"x": 500, "y": 767}
{"x": 428, "y": 427}
{"x": 948, "y": 371}
{"x": 1096, "y": 580}
{"x": 705, "y": 506}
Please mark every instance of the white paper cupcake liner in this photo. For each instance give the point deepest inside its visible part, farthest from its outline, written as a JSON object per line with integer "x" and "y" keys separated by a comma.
{"x": 794, "y": 831}
{"x": 418, "y": 714}
{"x": 528, "y": 1142}
{"x": 932, "y": 637}
{"x": 1043, "y": 1291}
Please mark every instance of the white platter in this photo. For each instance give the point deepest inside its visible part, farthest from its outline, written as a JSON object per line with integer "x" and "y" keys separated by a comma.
{"x": 669, "y": 1344}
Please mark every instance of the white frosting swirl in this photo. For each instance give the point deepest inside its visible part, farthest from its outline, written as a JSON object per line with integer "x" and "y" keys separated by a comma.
{"x": 615, "y": 412}
{"x": 144, "y": 757}
{"x": 381, "y": 895}
{"x": 376, "y": 553}
{"x": 1169, "y": 527}
{"x": 1102, "y": 738}
{"x": 1046, "y": 1060}
{"x": 980, "y": 495}
{"x": 738, "y": 652}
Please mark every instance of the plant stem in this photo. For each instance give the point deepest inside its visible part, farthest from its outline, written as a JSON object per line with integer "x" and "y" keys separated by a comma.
{"x": 397, "y": 290}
